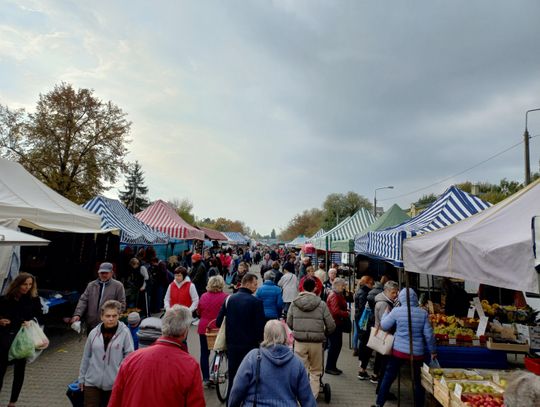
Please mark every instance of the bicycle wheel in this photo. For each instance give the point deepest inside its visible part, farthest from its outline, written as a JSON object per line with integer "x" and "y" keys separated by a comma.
{"x": 221, "y": 371}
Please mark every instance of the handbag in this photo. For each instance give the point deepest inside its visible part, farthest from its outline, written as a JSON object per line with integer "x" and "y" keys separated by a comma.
{"x": 380, "y": 341}
{"x": 221, "y": 341}
{"x": 346, "y": 325}
{"x": 365, "y": 318}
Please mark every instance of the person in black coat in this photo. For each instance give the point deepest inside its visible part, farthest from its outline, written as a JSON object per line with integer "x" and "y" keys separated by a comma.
{"x": 244, "y": 324}
{"x": 198, "y": 274}
{"x": 18, "y": 306}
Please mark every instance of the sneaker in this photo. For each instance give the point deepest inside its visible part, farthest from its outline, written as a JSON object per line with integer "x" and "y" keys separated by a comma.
{"x": 373, "y": 379}
{"x": 355, "y": 352}
{"x": 363, "y": 375}
{"x": 334, "y": 372}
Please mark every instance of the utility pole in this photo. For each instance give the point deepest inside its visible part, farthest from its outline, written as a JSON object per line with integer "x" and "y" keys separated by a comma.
{"x": 526, "y": 138}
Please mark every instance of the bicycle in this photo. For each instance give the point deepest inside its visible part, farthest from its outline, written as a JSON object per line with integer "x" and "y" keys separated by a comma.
{"x": 220, "y": 375}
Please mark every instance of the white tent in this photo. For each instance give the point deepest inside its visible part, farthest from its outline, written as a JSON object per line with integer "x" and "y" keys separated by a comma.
{"x": 493, "y": 247}
{"x": 24, "y": 197}
{"x": 9, "y": 237}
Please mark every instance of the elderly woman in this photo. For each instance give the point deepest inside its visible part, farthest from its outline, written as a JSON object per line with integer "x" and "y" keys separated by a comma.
{"x": 271, "y": 375}
{"x": 289, "y": 285}
{"x": 422, "y": 337}
{"x": 310, "y": 273}
{"x": 209, "y": 305}
{"x": 18, "y": 306}
{"x": 271, "y": 296}
{"x": 523, "y": 390}
{"x": 110, "y": 341}
{"x": 181, "y": 291}
{"x": 338, "y": 308}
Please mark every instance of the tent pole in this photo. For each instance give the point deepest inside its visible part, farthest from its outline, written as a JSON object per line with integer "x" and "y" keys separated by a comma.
{"x": 409, "y": 316}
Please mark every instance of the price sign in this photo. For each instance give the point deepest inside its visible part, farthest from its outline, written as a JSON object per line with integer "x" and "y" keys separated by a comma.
{"x": 425, "y": 368}
{"x": 482, "y": 326}
{"x": 458, "y": 390}
{"x": 476, "y": 342}
{"x": 478, "y": 306}
{"x": 496, "y": 378}
{"x": 471, "y": 312}
{"x": 443, "y": 382}
{"x": 452, "y": 341}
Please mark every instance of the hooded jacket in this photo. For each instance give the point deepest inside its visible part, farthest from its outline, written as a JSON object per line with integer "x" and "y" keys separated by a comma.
{"x": 283, "y": 380}
{"x": 421, "y": 327}
{"x": 270, "y": 294}
{"x": 382, "y": 303}
{"x": 309, "y": 318}
{"x": 99, "y": 367}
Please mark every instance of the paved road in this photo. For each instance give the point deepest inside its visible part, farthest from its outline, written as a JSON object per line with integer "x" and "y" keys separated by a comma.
{"x": 47, "y": 378}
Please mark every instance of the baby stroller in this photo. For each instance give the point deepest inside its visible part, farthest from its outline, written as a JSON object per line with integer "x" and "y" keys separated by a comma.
{"x": 149, "y": 331}
{"x": 325, "y": 388}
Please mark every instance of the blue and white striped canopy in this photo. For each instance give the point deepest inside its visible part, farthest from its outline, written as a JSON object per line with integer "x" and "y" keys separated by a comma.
{"x": 115, "y": 215}
{"x": 347, "y": 229}
{"x": 451, "y": 207}
{"x": 236, "y": 238}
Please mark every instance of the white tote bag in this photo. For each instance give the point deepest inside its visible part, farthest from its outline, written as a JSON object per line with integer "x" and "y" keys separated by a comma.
{"x": 380, "y": 341}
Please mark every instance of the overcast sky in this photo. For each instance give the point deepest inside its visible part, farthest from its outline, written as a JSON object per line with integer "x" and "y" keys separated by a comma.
{"x": 256, "y": 110}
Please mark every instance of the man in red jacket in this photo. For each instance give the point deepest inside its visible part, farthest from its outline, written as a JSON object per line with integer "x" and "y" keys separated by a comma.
{"x": 162, "y": 374}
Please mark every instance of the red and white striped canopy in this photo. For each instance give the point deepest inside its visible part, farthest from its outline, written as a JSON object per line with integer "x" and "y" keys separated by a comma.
{"x": 163, "y": 217}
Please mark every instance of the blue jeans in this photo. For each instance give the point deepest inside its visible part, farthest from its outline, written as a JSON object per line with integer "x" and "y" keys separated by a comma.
{"x": 392, "y": 370}
{"x": 205, "y": 354}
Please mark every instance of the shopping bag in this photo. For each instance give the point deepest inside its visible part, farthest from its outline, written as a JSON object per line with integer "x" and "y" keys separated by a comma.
{"x": 365, "y": 318}
{"x": 22, "y": 347}
{"x": 37, "y": 335}
{"x": 221, "y": 343}
{"x": 290, "y": 337}
{"x": 380, "y": 341}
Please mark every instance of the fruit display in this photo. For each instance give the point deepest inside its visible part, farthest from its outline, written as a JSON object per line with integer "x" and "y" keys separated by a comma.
{"x": 509, "y": 313}
{"x": 474, "y": 388}
{"x": 452, "y": 327}
{"x": 482, "y": 400}
{"x": 455, "y": 374}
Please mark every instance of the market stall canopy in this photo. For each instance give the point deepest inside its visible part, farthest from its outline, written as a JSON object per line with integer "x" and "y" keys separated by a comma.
{"x": 212, "y": 234}
{"x": 9, "y": 237}
{"x": 493, "y": 247}
{"x": 236, "y": 238}
{"x": 346, "y": 230}
{"x": 451, "y": 207}
{"x": 24, "y": 197}
{"x": 317, "y": 234}
{"x": 298, "y": 241}
{"x": 114, "y": 215}
{"x": 161, "y": 216}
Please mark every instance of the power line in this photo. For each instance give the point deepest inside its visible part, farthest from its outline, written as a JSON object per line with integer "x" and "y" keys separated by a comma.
{"x": 457, "y": 174}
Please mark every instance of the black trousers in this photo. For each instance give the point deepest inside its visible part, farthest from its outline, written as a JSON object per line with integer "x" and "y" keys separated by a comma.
{"x": 364, "y": 353}
{"x": 235, "y": 356}
{"x": 19, "y": 367}
{"x": 334, "y": 348}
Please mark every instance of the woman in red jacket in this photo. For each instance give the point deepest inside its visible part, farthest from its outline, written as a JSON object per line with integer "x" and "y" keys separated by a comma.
{"x": 208, "y": 310}
{"x": 338, "y": 308}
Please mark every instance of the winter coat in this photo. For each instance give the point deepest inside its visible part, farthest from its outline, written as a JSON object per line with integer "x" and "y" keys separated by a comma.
{"x": 360, "y": 301}
{"x": 338, "y": 307}
{"x": 90, "y": 303}
{"x": 160, "y": 375}
{"x": 270, "y": 294}
{"x": 421, "y": 327}
{"x": 198, "y": 277}
{"x": 245, "y": 320}
{"x": 283, "y": 380}
{"x": 288, "y": 284}
{"x": 318, "y": 285}
{"x": 382, "y": 303}
{"x": 192, "y": 293}
{"x": 99, "y": 367}
{"x": 209, "y": 305}
{"x": 25, "y": 308}
{"x": 376, "y": 290}
{"x": 309, "y": 318}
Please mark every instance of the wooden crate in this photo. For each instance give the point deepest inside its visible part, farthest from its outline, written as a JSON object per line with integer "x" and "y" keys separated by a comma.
{"x": 427, "y": 383}
{"x": 441, "y": 393}
{"x": 508, "y": 347}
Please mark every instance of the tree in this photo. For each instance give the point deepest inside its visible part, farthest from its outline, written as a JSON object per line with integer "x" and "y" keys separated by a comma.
{"x": 134, "y": 197}
{"x": 73, "y": 142}
{"x": 425, "y": 201}
{"x": 305, "y": 223}
{"x": 273, "y": 234}
{"x": 184, "y": 208}
{"x": 337, "y": 207}
{"x": 493, "y": 193}
{"x": 225, "y": 225}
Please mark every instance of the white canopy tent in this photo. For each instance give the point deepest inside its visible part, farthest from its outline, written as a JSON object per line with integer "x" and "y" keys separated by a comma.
{"x": 9, "y": 237}
{"x": 492, "y": 247}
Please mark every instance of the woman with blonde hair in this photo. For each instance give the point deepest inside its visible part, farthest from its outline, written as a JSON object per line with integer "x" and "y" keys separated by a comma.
{"x": 18, "y": 306}
{"x": 208, "y": 309}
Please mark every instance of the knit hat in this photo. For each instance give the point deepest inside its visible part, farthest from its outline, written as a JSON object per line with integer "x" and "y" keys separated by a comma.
{"x": 196, "y": 257}
{"x": 133, "y": 318}
{"x": 105, "y": 268}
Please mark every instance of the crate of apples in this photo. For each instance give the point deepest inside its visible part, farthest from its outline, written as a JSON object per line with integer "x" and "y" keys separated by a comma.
{"x": 482, "y": 400}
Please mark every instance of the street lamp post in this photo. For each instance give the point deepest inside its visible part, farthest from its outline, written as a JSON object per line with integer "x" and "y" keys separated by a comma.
{"x": 375, "y": 198}
{"x": 526, "y": 138}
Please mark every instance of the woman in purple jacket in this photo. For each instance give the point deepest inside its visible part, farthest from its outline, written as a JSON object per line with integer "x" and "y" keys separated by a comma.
{"x": 209, "y": 305}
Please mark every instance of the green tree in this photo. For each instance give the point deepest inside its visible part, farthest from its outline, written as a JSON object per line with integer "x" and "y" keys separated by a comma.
{"x": 225, "y": 225}
{"x": 305, "y": 223}
{"x": 73, "y": 142}
{"x": 273, "y": 234}
{"x": 134, "y": 197}
{"x": 337, "y": 207}
{"x": 184, "y": 208}
{"x": 425, "y": 201}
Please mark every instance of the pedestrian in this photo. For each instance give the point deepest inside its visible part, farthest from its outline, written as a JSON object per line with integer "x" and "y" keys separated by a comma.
{"x": 134, "y": 321}
{"x": 244, "y": 323}
{"x": 96, "y": 293}
{"x": 18, "y": 306}
{"x": 271, "y": 375}
{"x": 277, "y": 272}
{"x": 422, "y": 338}
{"x": 162, "y": 374}
{"x": 213, "y": 270}
{"x": 135, "y": 286}
{"x": 181, "y": 291}
{"x": 311, "y": 321}
{"x": 320, "y": 273}
{"x": 361, "y": 334}
{"x": 236, "y": 281}
{"x": 159, "y": 275}
{"x": 266, "y": 264}
{"x": 270, "y": 294}
{"x": 106, "y": 347}
{"x": 198, "y": 274}
{"x": 306, "y": 262}
{"x": 385, "y": 301}
{"x": 310, "y": 273}
{"x": 338, "y": 308}
{"x": 289, "y": 286}
{"x": 327, "y": 286}
{"x": 209, "y": 305}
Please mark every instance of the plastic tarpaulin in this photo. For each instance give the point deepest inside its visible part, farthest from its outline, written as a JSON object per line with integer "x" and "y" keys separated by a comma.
{"x": 492, "y": 247}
